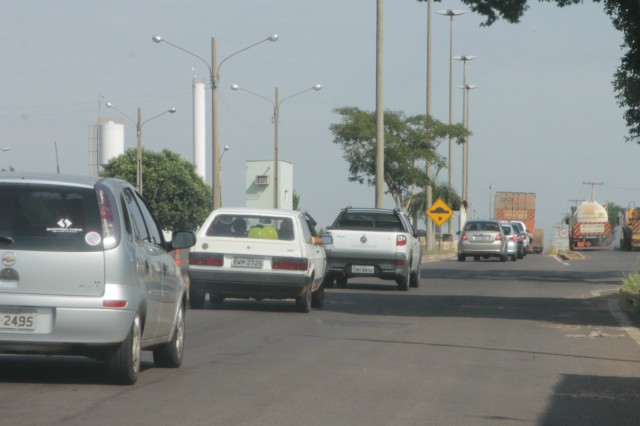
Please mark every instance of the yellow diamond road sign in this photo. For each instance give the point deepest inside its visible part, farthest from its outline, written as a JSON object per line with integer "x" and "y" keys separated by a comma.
{"x": 439, "y": 212}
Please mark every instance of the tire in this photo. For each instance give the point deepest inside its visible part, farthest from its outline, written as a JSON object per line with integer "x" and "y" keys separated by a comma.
{"x": 341, "y": 281}
{"x": 169, "y": 355}
{"x": 123, "y": 362}
{"x": 461, "y": 258}
{"x": 503, "y": 258}
{"x": 476, "y": 258}
{"x": 317, "y": 298}
{"x": 303, "y": 303}
{"x": 196, "y": 297}
{"x": 514, "y": 257}
{"x": 403, "y": 283}
{"x": 414, "y": 280}
{"x": 521, "y": 254}
{"x": 216, "y": 299}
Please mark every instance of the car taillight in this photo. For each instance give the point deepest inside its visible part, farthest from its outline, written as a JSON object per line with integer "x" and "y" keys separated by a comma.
{"x": 114, "y": 304}
{"x": 463, "y": 237}
{"x": 290, "y": 263}
{"x": 512, "y": 238}
{"x": 110, "y": 234}
{"x": 499, "y": 237}
{"x": 206, "y": 259}
{"x": 401, "y": 240}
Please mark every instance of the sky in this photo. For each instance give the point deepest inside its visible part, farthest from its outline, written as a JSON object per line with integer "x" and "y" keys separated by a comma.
{"x": 544, "y": 117}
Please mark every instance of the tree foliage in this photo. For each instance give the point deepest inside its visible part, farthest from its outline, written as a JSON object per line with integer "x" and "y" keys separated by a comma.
{"x": 625, "y": 15}
{"x": 408, "y": 143}
{"x": 179, "y": 198}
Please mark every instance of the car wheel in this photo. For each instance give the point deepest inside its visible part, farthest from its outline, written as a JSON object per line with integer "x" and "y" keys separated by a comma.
{"x": 196, "y": 296}
{"x": 303, "y": 303}
{"x": 317, "y": 298}
{"x": 521, "y": 254}
{"x": 503, "y": 258}
{"x": 461, "y": 258}
{"x": 403, "y": 283}
{"x": 216, "y": 299}
{"x": 341, "y": 281}
{"x": 414, "y": 279}
{"x": 476, "y": 258}
{"x": 514, "y": 257}
{"x": 123, "y": 362}
{"x": 169, "y": 355}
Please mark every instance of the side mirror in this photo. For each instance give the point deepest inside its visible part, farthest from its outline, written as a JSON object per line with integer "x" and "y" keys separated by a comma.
{"x": 183, "y": 239}
{"x": 327, "y": 239}
{"x": 422, "y": 233}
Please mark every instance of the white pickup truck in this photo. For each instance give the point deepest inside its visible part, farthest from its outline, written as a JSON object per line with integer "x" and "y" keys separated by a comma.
{"x": 370, "y": 242}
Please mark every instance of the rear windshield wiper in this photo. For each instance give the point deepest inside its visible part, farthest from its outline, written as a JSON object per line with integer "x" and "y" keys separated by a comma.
{"x": 5, "y": 239}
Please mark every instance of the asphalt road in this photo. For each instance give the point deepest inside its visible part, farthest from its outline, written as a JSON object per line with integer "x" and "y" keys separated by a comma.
{"x": 532, "y": 342}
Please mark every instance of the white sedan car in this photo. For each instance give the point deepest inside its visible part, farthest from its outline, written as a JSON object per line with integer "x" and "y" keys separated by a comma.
{"x": 259, "y": 254}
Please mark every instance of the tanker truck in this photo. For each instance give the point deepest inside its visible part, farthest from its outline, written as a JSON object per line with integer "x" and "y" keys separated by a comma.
{"x": 589, "y": 227}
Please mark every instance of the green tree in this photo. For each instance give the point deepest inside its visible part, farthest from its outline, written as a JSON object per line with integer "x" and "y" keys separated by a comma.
{"x": 409, "y": 143}
{"x": 179, "y": 198}
{"x": 296, "y": 201}
{"x": 625, "y": 15}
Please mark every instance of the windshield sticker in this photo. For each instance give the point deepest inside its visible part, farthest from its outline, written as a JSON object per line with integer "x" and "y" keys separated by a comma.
{"x": 65, "y": 226}
{"x": 92, "y": 238}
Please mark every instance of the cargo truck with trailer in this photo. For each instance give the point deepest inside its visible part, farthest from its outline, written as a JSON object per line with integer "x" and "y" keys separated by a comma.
{"x": 521, "y": 207}
{"x": 630, "y": 223}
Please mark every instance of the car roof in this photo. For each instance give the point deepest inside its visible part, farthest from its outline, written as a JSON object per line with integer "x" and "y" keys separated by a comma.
{"x": 260, "y": 211}
{"x": 53, "y": 178}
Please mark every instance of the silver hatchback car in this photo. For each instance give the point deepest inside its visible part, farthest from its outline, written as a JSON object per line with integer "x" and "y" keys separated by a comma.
{"x": 482, "y": 238}
{"x": 85, "y": 270}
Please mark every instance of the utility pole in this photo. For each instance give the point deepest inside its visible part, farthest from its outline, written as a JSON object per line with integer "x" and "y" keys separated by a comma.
{"x": 593, "y": 190}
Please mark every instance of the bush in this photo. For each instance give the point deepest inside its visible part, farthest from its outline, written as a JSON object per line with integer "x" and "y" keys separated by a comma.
{"x": 631, "y": 283}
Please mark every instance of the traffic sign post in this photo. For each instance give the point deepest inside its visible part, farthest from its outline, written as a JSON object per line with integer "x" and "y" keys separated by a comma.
{"x": 439, "y": 213}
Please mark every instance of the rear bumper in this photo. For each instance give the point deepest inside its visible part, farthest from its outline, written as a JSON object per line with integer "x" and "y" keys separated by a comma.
{"x": 250, "y": 285}
{"x": 383, "y": 268}
{"x": 69, "y": 330}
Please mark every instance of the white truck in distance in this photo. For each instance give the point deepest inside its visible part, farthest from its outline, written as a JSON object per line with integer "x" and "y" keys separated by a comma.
{"x": 370, "y": 242}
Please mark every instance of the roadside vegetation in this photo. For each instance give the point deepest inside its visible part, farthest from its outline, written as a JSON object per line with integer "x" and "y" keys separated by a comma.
{"x": 630, "y": 292}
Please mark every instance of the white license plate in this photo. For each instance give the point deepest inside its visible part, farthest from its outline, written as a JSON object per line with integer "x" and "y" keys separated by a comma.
{"x": 18, "y": 319}
{"x": 244, "y": 262}
{"x": 362, "y": 269}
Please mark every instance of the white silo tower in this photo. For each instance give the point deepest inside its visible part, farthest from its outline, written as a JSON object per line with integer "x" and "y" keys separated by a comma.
{"x": 110, "y": 140}
{"x": 199, "y": 126}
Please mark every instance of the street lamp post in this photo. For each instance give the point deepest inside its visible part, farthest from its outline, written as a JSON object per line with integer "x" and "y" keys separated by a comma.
{"x": 451, "y": 13}
{"x": 139, "y": 124}
{"x": 464, "y": 59}
{"x": 214, "y": 76}
{"x": 226, "y": 148}
{"x": 465, "y": 147}
{"x": 276, "y": 119}
{"x": 490, "y": 195}
{"x": 5, "y": 149}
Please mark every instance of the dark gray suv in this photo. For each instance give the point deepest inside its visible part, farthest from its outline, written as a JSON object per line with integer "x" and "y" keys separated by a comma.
{"x": 85, "y": 270}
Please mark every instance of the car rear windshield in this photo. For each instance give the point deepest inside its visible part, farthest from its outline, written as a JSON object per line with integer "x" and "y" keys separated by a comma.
{"x": 252, "y": 226}
{"x": 482, "y": 226}
{"x": 369, "y": 220}
{"x": 49, "y": 218}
